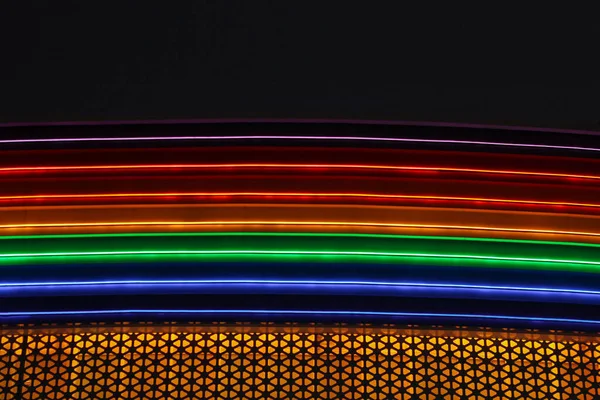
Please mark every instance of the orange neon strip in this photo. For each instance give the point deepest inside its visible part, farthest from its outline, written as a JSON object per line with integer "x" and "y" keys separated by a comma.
{"x": 300, "y": 195}
{"x": 285, "y": 166}
{"x": 299, "y": 217}
{"x": 297, "y": 223}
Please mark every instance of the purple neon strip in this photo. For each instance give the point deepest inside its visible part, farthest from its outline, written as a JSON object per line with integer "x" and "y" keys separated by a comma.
{"x": 276, "y": 137}
{"x": 433, "y": 124}
{"x": 346, "y": 313}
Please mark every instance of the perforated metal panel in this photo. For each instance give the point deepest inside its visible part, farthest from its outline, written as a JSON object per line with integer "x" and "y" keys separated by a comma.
{"x": 258, "y": 361}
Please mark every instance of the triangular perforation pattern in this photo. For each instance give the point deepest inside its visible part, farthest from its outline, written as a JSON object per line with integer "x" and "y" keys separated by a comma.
{"x": 258, "y": 361}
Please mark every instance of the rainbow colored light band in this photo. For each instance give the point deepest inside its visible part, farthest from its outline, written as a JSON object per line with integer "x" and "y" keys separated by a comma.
{"x": 292, "y": 222}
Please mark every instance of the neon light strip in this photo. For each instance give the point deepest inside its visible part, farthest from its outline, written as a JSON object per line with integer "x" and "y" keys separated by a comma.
{"x": 7, "y": 256}
{"x": 286, "y": 166}
{"x": 292, "y": 223}
{"x": 297, "y": 282}
{"x": 296, "y": 234}
{"x": 322, "y": 195}
{"x": 292, "y": 138}
{"x": 300, "y": 287}
{"x": 301, "y": 312}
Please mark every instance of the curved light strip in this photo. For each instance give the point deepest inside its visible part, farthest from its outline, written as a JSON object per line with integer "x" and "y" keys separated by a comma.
{"x": 292, "y": 223}
{"x": 310, "y": 287}
{"x": 296, "y": 282}
{"x": 297, "y": 234}
{"x": 295, "y": 137}
{"x": 287, "y": 166}
{"x": 322, "y": 195}
{"x": 347, "y": 313}
{"x": 292, "y": 253}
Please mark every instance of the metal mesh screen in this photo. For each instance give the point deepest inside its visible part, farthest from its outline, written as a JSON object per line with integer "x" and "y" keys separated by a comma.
{"x": 310, "y": 361}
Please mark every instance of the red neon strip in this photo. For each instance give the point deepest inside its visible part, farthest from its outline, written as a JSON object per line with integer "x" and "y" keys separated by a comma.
{"x": 302, "y": 196}
{"x": 289, "y": 166}
{"x": 301, "y": 156}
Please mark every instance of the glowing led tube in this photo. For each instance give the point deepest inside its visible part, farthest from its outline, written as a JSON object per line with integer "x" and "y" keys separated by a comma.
{"x": 323, "y": 247}
{"x": 293, "y": 282}
{"x": 283, "y": 252}
{"x": 297, "y": 241}
{"x": 302, "y": 196}
{"x": 522, "y": 262}
{"x": 316, "y": 313}
{"x": 319, "y": 286}
{"x": 289, "y": 166}
{"x": 296, "y": 235}
{"x": 214, "y": 225}
{"x": 296, "y": 138}
{"x": 294, "y": 213}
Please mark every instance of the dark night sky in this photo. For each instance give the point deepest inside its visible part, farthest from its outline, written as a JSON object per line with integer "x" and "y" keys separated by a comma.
{"x": 115, "y": 60}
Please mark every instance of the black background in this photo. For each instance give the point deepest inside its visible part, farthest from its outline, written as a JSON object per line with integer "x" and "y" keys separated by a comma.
{"x": 122, "y": 60}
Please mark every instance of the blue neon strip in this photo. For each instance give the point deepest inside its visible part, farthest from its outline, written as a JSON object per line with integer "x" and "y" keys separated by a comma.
{"x": 302, "y": 312}
{"x": 301, "y": 287}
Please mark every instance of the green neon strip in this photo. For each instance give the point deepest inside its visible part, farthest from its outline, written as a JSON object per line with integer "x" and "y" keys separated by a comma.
{"x": 301, "y": 252}
{"x": 300, "y": 256}
{"x": 299, "y": 242}
{"x": 297, "y": 234}
{"x": 261, "y": 246}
